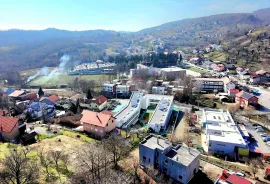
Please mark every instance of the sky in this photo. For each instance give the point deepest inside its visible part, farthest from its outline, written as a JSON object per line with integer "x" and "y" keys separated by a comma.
{"x": 118, "y": 15}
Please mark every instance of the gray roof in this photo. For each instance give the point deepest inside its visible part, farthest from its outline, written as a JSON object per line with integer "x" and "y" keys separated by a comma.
{"x": 154, "y": 142}
{"x": 183, "y": 154}
{"x": 247, "y": 95}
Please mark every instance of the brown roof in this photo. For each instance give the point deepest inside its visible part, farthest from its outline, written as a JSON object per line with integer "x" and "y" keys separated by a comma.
{"x": 17, "y": 93}
{"x": 95, "y": 118}
{"x": 53, "y": 98}
{"x": 100, "y": 100}
{"x": 7, "y": 123}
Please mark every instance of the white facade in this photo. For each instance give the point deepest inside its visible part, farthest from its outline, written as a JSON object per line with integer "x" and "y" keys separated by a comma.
{"x": 160, "y": 90}
{"x": 122, "y": 88}
{"x": 130, "y": 113}
{"x": 222, "y": 134}
{"x": 229, "y": 86}
{"x": 108, "y": 87}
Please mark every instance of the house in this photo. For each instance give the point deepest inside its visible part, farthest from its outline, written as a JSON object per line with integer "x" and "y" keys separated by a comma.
{"x": 39, "y": 110}
{"x": 158, "y": 90}
{"x": 16, "y": 94}
{"x": 9, "y": 91}
{"x": 181, "y": 163}
{"x": 97, "y": 123}
{"x": 245, "y": 99}
{"x": 46, "y": 101}
{"x": 228, "y": 84}
{"x": 10, "y": 128}
{"x": 231, "y": 178}
{"x": 209, "y": 84}
{"x": 28, "y": 96}
{"x": 221, "y": 134}
{"x": 99, "y": 103}
{"x": 233, "y": 92}
{"x": 259, "y": 77}
{"x": 54, "y": 98}
{"x": 124, "y": 90}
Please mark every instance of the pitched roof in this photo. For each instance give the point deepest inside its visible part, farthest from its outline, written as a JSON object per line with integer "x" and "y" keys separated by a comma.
{"x": 234, "y": 179}
{"x": 9, "y": 91}
{"x": 53, "y": 98}
{"x": 95, "y": 118}
{"x": 7, "y": 123}
{"x": 17, "y": 93}
{"x": 245, "y": 95}
{"x": 234, "y": 90}
{"x": 100, "y": 100}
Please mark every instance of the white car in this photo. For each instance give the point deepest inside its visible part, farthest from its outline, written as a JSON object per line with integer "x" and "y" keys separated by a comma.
{"x": 240, "y": 174}
{"x": 266, "y": 139}
{"x": 268, "y": 143}
{"x": 264, "y": 135}
{"x": 260, "y": 130}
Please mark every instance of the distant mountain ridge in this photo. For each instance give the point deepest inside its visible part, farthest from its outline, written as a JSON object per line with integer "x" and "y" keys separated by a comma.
{"x": 25, "y": 49}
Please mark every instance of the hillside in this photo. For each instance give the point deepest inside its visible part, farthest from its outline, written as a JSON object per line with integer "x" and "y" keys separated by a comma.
{"x": 20, "y": 49}
{"x": 250, "y": 49}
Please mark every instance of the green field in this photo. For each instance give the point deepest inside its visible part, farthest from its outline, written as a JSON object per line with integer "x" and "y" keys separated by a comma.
{"x": 55, "y": 81}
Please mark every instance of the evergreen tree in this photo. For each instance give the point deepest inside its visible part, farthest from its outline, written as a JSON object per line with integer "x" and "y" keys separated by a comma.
{"x": 40, "y": 92}
{"x": 89, "y": 94}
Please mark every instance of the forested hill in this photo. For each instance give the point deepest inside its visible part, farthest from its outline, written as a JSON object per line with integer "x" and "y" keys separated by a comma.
{"x": 20, "y": 49}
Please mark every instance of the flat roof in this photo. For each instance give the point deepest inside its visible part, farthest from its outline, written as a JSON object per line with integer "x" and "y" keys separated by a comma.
{"x": 210, "y": 79}
{"x": 129, "y": 109}
{"x": 161, "y": 112}
{"x": 154, "y": 142}
{"x": 219, "y": 115}
{"x": 183, "y": 154}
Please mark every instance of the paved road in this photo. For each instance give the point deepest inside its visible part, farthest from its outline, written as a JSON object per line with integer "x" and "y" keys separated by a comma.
{"x": 259, "y": 144}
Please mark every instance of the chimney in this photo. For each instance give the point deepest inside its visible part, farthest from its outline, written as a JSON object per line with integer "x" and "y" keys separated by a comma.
{"x": 4, "y": 113}
{"x": 98, "y": 118}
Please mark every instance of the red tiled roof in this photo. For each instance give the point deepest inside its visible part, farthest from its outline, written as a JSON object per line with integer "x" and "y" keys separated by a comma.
{"x": 234, "y": 179}
{"x": 95, "y": 118}
{"x": 107, "y": 112}
{"x": 100, "y": 100}
{"x": 7, "y": 123}
{"x": 30, "y": 96}
{"x": 234, "y": 91}
{"x": 53, "y": 98}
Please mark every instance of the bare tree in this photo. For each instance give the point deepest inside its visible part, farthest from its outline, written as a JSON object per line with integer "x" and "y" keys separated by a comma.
{"x": 93, "y": 162}
{"x": 117, "y": 146}
{"x": 254, "y": 166}
{"x": 19, "y": 167}
{"x": 44, "y": 161}
{"x": 56, "y": 156}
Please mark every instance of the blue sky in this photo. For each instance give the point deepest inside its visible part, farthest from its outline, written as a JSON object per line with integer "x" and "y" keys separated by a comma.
{"x": 119, "y": 15}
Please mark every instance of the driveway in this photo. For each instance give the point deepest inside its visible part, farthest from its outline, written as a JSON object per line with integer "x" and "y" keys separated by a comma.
{"x": 258, "y": 144}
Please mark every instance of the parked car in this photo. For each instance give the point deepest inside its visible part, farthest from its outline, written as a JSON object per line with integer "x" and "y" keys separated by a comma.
{"x": 266, "y": 139}
{"x": 257, "y": 127}
{"x": 240, "y": 174}
{"x": 268, "y": 143}
{"x": 260, "y": 130}
{"x": 264, "y": 135}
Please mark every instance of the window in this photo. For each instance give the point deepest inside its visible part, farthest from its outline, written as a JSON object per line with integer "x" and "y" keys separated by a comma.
{"x": 144, "y": 158}
{"x": 101, "y": 131}
{"x": 180, "y": 177}
{"x": 165, "y": 170}
{"x": 107, "y": 124}
{"x": 194, "y": 171}
{"x": 112, "y": 121}
{"x": 149, "y": 160}
{"x": 96, "y": 130}
{"x": 221, "y": 144}
{"x": 157, "y": 153}
{"x": 166, "y": 161}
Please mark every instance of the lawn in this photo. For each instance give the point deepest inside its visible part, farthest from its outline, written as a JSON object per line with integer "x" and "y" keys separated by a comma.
{"x": 55, "y": 81}
{"x": 217, "y": 56}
